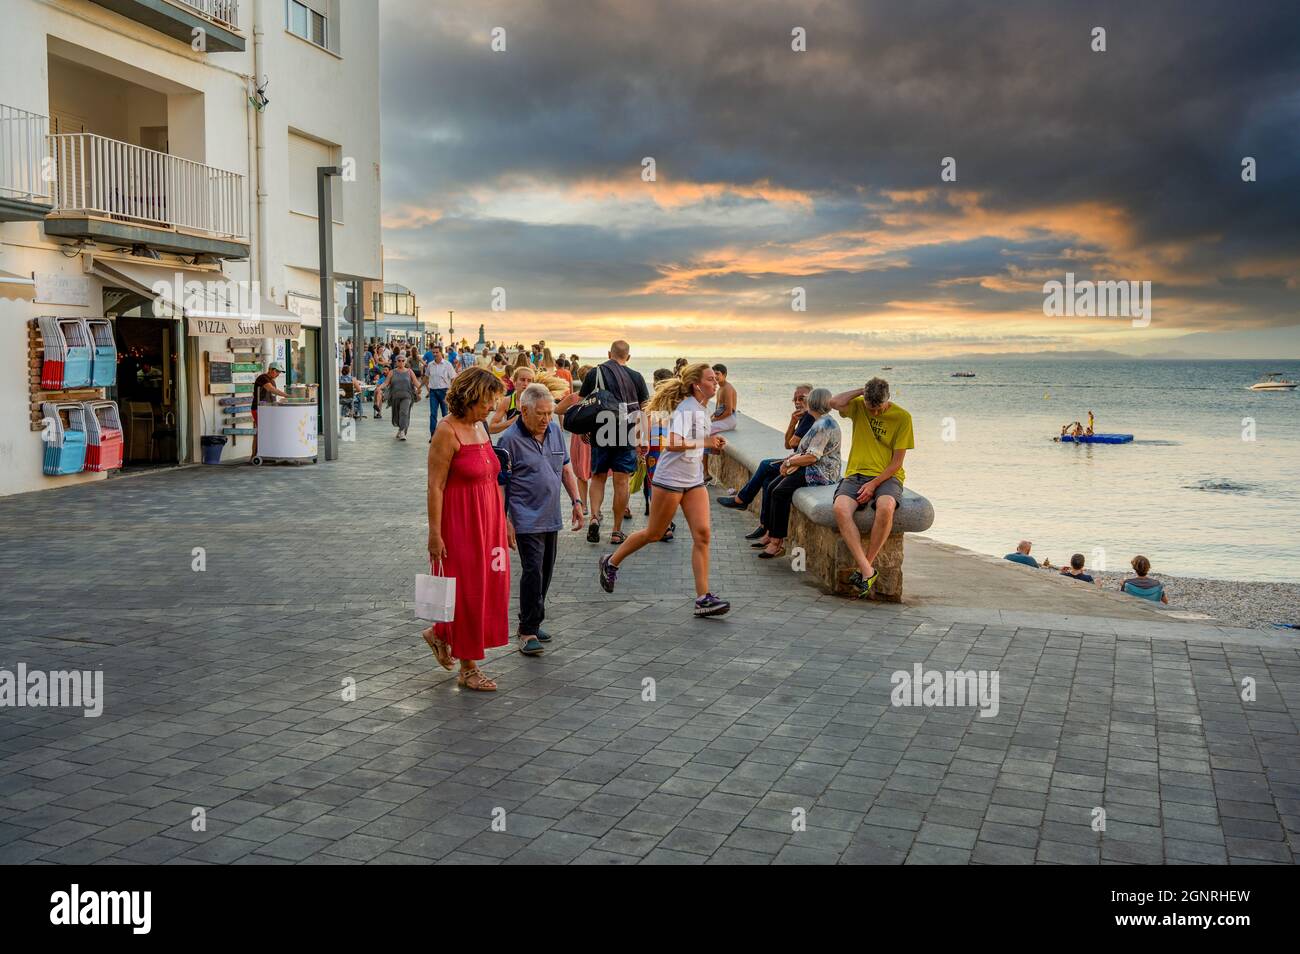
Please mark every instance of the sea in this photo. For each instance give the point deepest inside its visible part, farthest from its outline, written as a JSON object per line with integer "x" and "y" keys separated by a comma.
{"x": 1209, "y": 487}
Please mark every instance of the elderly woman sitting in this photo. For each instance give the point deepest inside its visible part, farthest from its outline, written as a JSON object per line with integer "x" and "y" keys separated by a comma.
{"x": 815, "y": 462}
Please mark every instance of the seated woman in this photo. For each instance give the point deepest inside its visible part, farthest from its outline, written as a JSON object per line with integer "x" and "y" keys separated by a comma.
{"x": 1142, "y": 585}
{"x": 815, "y": 462}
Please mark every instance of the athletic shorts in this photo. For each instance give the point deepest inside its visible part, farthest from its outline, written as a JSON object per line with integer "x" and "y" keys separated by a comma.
{"x": 621, "y": 460}
{"x": 676, "y": 490}
{"x": 852, "y": 486}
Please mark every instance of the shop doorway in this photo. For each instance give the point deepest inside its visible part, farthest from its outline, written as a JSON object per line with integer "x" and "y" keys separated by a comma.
{"x": 149, "y": 389}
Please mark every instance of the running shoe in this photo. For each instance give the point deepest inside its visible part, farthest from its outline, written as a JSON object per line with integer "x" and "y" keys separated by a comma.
{"x": 710, "y": 605}
{"x": 608, "y": 574}
{"x": 864, "y": 587}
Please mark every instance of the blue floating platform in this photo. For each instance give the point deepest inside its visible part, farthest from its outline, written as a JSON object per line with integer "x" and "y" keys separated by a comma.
{"x": 1096, "y": 439}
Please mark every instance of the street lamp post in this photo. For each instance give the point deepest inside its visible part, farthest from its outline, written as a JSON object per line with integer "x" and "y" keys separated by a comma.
{"x": 329, "y": 368}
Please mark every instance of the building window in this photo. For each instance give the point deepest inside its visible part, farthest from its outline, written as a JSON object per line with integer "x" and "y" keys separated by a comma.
{"x": 311, "y": 25}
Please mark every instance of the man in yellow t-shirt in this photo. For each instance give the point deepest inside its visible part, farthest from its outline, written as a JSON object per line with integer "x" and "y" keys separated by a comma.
{"x": 882, "y": 436}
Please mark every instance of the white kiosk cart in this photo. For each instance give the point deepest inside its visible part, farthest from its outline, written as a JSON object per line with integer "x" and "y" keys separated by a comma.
{"x": 286, "y": 432}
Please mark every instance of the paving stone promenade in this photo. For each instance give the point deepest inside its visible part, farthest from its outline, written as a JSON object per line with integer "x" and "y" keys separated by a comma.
{"x": 223, "y": 692}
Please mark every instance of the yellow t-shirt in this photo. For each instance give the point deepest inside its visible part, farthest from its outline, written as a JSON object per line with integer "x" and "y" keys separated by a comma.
{"x": 876, "y": 438}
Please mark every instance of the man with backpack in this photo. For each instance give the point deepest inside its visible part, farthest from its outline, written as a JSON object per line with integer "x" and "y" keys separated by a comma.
{"x": 617, "y": 440}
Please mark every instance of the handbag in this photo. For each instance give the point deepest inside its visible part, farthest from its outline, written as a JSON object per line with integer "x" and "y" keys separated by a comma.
{"x": 435, "y": 596}
{"x": 587, "y": 416}
{"x": 638, "y": 477}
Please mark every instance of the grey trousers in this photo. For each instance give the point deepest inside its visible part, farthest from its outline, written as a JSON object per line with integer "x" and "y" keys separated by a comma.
{"x": 400, "y": 408}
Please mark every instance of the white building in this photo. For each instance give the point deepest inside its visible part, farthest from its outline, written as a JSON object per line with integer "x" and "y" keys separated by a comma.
{"x": 146, "y": 143}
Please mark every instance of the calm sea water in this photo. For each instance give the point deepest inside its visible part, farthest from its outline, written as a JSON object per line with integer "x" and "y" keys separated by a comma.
{"x": 1192, "y": 492}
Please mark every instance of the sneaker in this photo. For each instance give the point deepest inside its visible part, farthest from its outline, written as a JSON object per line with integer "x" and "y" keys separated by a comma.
{"x": 710, "y": 605}
{"x": 401, "y": 435}
{"x": 863, "y": 586}
{"x": 609, "y": 575}
{"x": 529, "y": 646}
{"x": 543, "y": 635}
{"x": 593, "y": 532}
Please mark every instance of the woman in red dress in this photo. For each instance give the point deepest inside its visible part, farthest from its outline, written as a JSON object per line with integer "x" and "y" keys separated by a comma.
{"x": 467, "y": 529}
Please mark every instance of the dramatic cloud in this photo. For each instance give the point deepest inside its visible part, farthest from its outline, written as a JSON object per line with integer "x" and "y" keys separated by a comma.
{"x": 522, "y": 169}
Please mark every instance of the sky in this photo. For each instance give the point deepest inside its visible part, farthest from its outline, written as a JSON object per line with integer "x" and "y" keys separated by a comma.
{"x": 520, "y": 173}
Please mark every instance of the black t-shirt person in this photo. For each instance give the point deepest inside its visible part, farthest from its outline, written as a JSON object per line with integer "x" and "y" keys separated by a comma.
{"x": 622, "y": 381}
{"x": 261, "y": 392}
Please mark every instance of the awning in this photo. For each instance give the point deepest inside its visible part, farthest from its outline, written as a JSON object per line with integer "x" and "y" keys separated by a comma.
{"x": 212, "y": 303}
{"x": 16, "y": 286}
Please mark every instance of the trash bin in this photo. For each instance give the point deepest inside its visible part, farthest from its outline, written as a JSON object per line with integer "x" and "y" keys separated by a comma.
{"x": 212, "y": 445}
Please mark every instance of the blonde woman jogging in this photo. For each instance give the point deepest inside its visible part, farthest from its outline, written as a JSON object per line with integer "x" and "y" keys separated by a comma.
{"x": 679, "y": 480}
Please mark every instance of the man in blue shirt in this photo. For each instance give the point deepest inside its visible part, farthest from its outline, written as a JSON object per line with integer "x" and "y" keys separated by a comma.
{"x": 1022, "y": 555}
{"x": 539, "y": 467}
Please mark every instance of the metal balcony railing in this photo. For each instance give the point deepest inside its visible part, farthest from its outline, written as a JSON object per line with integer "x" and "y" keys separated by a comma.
{"x": 104, "y": 177}
{"x": 225, "y": 12}
{"x": 22, "y": 149}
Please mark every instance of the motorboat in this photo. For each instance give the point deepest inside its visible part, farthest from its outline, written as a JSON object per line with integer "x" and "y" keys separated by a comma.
{"x": 962, "y": 374}
{"x": 1273, "y": 381}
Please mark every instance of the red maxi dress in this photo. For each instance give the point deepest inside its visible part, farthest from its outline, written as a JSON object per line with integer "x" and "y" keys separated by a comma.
{"x": 474, "y": 534}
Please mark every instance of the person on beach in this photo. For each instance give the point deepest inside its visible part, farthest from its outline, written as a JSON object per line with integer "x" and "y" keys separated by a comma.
{"x": 767, "y": 470}
{"x": 815, "y": 462}
{"x": 615, "y": 453}
{"x": 679, "y": 481}
{"x": 678, "y": 365}
{"x": 882, "y": 436}
{"x": 1075, "y": 570}
{"x": 539, "y": 468}
{"x": 1021, "y": 555}
{"x": 1143, "y": 585}
{"x": 467, "y": 530}
{"x": 400, "y": 389}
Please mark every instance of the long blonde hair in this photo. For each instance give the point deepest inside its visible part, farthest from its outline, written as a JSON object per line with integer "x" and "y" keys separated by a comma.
{"x": 673, "y": 391}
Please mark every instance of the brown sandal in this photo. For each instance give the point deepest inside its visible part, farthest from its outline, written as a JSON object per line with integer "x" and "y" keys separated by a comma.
{"x": 475, "y": 679}
{"x": 441, "y": 651}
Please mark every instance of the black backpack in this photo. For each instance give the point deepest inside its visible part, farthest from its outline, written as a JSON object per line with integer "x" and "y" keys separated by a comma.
{"x": 587, "y": 416}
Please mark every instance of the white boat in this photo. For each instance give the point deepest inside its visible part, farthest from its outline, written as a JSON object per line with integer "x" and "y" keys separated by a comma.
{"x": 962, "y": 374}
{"x": 1273, "y": 381}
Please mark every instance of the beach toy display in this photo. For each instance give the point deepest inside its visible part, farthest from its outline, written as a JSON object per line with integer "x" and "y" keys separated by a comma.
{"x": 1095, "y": 439}
{"x": 65, "y": 447}
{"x": 103, "y": 435}
{"x": 67, "y": 353}
{"x": 103, "y": 358}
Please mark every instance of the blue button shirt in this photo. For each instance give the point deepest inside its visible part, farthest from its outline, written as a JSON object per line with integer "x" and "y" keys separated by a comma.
{"x": 533, "y": 490}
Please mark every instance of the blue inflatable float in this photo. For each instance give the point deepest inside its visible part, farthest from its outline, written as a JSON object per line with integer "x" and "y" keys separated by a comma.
{"x": 1095, "y": 439}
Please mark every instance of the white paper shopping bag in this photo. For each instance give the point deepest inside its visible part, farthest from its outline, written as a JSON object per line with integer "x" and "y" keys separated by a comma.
{"x": 435, "y": 596}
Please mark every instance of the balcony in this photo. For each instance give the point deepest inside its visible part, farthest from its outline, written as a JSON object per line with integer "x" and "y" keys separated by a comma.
{"x": 218, "y": 19}
{"x": 116, "y": 193}
{"x": 24, "y": 190}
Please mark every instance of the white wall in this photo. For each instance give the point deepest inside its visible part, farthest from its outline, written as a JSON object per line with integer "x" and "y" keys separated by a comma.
{"x": 331, "y": 97}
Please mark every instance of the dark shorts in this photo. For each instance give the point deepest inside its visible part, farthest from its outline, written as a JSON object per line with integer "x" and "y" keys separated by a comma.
{"x": 621, "y": 460}
{"x": 675, "y": 490}
{"x": 852, "y": 486}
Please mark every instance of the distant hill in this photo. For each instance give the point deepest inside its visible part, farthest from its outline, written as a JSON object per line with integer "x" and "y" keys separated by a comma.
{"x": 1039, "y": 355}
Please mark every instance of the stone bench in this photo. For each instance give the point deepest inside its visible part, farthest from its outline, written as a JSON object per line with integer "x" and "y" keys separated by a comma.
{"x": 812, "y": 518}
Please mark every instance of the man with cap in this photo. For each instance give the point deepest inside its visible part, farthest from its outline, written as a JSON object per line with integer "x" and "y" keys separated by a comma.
{"x": 265, "y": 391}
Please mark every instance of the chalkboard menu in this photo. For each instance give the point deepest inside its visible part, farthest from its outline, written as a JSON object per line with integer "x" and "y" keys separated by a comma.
{"x": 221, "y": 366}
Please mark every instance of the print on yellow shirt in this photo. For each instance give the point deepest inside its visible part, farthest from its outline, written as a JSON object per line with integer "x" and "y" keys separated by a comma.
{"x": 874, "y": 444}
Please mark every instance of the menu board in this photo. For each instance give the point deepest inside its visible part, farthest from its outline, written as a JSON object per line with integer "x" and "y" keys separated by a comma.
{"x": 220, "y": 372}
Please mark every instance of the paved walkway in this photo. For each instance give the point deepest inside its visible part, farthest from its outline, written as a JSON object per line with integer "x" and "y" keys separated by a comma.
{"x": 223, "y": 692}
